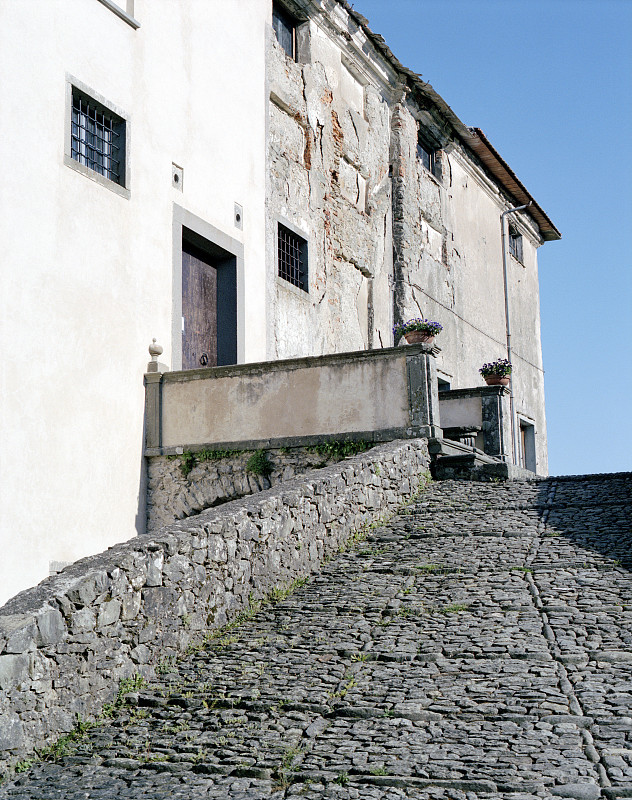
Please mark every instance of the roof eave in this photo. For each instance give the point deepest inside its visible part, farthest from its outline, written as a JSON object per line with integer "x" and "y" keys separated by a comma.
{"x": 480, "y": 145}
{"x": 473, "y": 138}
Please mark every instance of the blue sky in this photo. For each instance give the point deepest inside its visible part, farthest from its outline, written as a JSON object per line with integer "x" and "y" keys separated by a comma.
{"x": 550, "y": 84}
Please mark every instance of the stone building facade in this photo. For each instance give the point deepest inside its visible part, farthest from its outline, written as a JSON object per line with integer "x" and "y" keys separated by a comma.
{"x": 400, "y": 205}
{"x": 161, "y": 153}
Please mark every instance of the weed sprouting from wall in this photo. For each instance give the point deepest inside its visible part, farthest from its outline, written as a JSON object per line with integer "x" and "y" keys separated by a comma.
{"x": 259, "y": 464}
{"x": 189, "y": 460}
{"x": 339, "y": 449}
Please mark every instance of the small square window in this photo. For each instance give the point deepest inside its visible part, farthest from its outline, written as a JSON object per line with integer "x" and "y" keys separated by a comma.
{"x": 284, "y": 25}
{"x": 427, "y": 155}
{"x": 97, "y": 137}
{"x": 292, "y": 257}
{"x": 515, "y": 244}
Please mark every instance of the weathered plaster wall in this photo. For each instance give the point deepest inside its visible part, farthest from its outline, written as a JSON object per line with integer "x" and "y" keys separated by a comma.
{"x": 65, "y": 644}
{"x": 340, "y": 394}
{"x": 328, "y": 152}
{"x": 87, "y": 274}
{"x": 419, "y": 244}
{"x": 448, "y": 266}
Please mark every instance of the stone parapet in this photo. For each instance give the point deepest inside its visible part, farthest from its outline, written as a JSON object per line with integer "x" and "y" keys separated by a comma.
{"x": 483, "y": 410}
{"x": 65, "y": 644}
{"x": 383, "y": 394}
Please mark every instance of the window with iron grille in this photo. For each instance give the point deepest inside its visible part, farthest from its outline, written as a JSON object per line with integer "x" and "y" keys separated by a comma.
{"x": 292, "y": 257}
{"x": 284, "y": 25}
{"x": 97, "y": 138}
{"x": 515, "y": 244}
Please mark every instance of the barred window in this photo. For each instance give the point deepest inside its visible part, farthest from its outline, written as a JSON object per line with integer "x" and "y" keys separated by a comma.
{"x": 515, "y": 244}
{"x": 97, "y": 138}
{"x": 292, "y": 257}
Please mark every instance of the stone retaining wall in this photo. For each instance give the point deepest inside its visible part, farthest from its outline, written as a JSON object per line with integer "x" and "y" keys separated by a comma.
{"x": 66, "y": 643}
{"x": 173, "y": 495}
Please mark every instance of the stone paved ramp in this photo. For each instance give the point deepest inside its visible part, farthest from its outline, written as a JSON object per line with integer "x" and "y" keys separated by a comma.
{"x": 477, "y": 647}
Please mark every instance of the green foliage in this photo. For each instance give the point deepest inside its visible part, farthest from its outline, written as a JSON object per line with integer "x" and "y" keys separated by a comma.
{"x": 337, "y": 450}
{"x": 220, "y": 636}
{"x": 359, "y": 657}
{"x": 379, "y": 771}
{"x": 166, "y": 666}
{"x": 189, "y": 460}
{"x": 454, "y": 608}
{"x": 342, "y": 779}
{"x": 284, "y": 777}
{"x": 66, "y": 744}
{"x": 416, "y": 324}
{"x": 500, "y": 368}
{"x": 217, "y": 455}
{"x": 280, "y": 593}
{"x": 126, "y": 685}
{"x": 133, "y": 684}
{"x": 259, "y": 464}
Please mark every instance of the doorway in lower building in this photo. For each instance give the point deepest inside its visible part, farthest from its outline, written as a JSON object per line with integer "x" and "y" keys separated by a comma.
{"x": 209, "y": 303}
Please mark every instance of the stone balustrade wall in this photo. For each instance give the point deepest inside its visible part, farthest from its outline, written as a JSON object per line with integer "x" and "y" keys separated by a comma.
{"x": 65, "y": 644}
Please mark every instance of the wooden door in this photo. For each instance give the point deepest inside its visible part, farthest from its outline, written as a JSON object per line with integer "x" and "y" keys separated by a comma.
{"x": 199, "y": 312}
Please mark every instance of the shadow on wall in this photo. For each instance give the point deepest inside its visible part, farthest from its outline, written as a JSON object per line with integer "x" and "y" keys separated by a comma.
{"x": 592, "y": 513}
{"x": 140, "y": 520}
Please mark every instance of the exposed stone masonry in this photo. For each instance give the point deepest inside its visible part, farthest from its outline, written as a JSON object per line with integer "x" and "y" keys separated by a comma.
{"x": 476, "y": 647}
{"x": 172, "y": 495}
{"x": 65, "y": 644}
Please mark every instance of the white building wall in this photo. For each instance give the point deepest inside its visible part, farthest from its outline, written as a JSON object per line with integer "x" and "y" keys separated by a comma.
{"x": 87, "y": 274}
{"x": 451, "y": 271}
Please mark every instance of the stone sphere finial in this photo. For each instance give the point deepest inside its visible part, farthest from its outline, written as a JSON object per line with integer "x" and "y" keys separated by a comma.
{"x": 154, "y": 350}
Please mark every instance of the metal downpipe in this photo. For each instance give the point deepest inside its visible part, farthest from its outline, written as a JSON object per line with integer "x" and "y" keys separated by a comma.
{"x": 512, "y": 409}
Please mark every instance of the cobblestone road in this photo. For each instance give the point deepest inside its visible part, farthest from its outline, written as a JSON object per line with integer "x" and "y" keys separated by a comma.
{"x": 478, "y": 646}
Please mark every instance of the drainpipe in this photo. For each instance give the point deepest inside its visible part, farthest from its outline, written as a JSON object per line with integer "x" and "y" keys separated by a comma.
{"x": 508, "y": 323}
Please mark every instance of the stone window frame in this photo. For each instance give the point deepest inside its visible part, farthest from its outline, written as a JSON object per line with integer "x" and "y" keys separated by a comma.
{"x": 300, "y": 30}
{"x": 355, "y": 74}
{"x": 527, "y": 446}
{"x": 73, "y": 85}
{"x": 283, "y": 16}
{"x": 303, "y": 293}
{"x": 516, "y": 244}
{"x": 423, "y": 149}
{"x": 425, "y": 145}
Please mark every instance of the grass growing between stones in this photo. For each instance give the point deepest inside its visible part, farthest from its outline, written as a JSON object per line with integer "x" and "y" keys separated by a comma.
{"x": 189, "y": 460}
{"x": 454, "y": 608}
{"x": 223, "y": 637}
{"x": 338, "y": 450}
{"x": 67, "y": 744}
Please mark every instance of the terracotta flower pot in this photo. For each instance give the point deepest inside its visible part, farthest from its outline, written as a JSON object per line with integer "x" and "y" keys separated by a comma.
{"x": 496, "y": 380}
{"x": 416, "y": 337}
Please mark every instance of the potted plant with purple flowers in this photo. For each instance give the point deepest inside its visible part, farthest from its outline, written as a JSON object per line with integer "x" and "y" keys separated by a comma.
{"x": 417, "y": 330}
{"x": 496, "y": 373}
